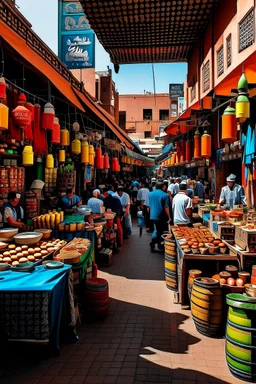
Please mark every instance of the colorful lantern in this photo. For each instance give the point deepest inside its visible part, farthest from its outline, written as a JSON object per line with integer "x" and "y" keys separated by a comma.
{"x": 115, "y": 164}
{"x": 242, "y": 102}
{"x": 106, "y": 161}
{"x": 21, "y": 116}
{"x": 91, "y": 155}
{"x": 22, "y": 99}
{"x": 98, "y": 159}
{"x": 169, "y": 161}
{"x": 173, "y": 159}
{"x": 76, "y": 147}
{"x": 85, "y": 152}
{"x": 64, "y": 137}
{"x": 28, "y": 156}
{"x": 206, "y": 145}
{"x": 188, "y": 150}
{"x": 197, "y": 145}
{"x": 229, "y": 125}
{"x": 62, "y": 156}
{"x": 48, "y": 117}
{"x": 55, "y": 139}
{"x": 3, "y": 88}
{"x": 4, "y": 117}
{"x": 49, "y": 161}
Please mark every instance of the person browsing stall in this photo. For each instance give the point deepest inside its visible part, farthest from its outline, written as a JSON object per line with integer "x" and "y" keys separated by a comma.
{"x": 70, "y": 201}
{"x": 94, "y": 202}
{"x": 125, "y": 202}
{"x": 232, "y": 194}
{"x": 182, "y": 207}
{"x": 12, "y": 212}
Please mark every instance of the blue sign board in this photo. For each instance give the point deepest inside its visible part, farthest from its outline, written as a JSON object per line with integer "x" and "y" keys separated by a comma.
{"x": 76, "y": 38}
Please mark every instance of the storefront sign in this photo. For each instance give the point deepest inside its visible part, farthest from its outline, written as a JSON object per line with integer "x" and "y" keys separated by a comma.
{"x": 231, "y": 156}
{"x": 76, "y": 38}
{"x": 176, "y": 91}
{"x": 112, "y": 144}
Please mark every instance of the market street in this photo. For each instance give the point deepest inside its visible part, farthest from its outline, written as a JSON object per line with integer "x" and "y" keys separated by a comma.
{"x": 144, "y": 339}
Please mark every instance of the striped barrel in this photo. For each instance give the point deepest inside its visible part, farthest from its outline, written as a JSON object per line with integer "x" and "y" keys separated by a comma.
{"x": 192, "y": 274}
{"x": 206, "y": 306}
{"x": 171, "y": 277}
{"x": 96, "y": 297}
{"x": 241, "y": 336}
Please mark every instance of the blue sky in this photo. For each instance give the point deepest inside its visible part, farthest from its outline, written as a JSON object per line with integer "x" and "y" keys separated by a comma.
{"x": 135, "y": 78}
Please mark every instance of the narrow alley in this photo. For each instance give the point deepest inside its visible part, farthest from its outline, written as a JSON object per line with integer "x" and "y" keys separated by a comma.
{"x": 144, "y": 339}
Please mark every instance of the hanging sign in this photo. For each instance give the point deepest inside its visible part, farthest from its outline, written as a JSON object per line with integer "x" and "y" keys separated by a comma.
{"x": 76, "y": 38}
{"x": 176, "y": 91}
{"x": 112, "y": 144}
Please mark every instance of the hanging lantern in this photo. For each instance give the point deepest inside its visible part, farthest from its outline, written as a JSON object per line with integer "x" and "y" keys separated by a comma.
{"x": 128, "y": 160}
{"x": 188, "y": 150}
{"x": 229, "y": 125}
{"x": 242, "y": 85}
{"x": 62, "y": 156}
{"x": 3, "y": 88}
{"x": 76, "y": 126}
{"x": 206, "y": 145}
{"x": 106, "y": 161}
{"x": 197, "y": 145}
{"x": 55, "y": 134}
{"x": 64, "y": 137}
{"x": 48, "y": 117}
{"x": 4, "y": 117}
{"x": 169, "y": 161}
{"x": 91, "y": 155}
{"x": 21, "y": 99}
{"x": 28, "y": 156}
{"x": 31, "y": 108}
{"x": 49, "y": 161}
{"x": 76, "y": 147}
{"x": 173, "y": 159}
{"x": 114, "y": 164}
{"x": 21, "y": 116}
{"x": 85, "y": 152}
{"x": 98, "y": 158}
{"x": 242, "y": 108}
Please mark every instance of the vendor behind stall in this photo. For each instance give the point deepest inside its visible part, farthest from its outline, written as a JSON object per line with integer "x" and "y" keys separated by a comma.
{"x": 12, "y": 212}
{"x": 70, "y": 201}
{"x": 232, "y": 194}
{"x": 94, "y": 202}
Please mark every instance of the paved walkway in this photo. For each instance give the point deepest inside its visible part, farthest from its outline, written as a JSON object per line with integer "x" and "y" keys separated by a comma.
{"x": 144, "y": 339}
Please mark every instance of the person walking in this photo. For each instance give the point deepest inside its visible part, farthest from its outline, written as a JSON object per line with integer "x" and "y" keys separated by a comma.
{"x": 182, "y": 207}
{"x": 126, "y": 203}
{"x": 115, "y": 205}
{"x": 143, "y": 200}
{"x": 159, "y": 205}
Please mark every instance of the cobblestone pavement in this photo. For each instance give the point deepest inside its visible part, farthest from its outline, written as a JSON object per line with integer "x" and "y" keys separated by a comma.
{"x": 144, "y": 339}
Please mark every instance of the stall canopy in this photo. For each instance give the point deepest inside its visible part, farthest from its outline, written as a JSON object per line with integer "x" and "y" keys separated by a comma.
{"x": 165, "y": 153}
{"x": 148, "y": 31}
{"x": 137, "y": 156}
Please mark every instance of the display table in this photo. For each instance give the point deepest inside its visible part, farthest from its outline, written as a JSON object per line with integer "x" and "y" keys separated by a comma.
{"x": 235, "y": 250}
{"x": 194, "y": 261}
{"x": 32, "y": 303}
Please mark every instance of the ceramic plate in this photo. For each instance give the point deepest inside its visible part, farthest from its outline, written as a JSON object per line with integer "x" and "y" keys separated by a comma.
{"x": 54, "y": 265}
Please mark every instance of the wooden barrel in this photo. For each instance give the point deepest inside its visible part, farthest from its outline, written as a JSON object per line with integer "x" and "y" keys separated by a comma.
{"x": 192, "y": 274}
{"x": 96, "y": 296}
{"x": 206, "y": 306}
{"x": 241, "y": 336}
{"x": 171, "y": 272}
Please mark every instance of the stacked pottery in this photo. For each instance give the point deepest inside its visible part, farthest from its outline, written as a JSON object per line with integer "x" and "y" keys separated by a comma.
{"x": 206, "y": 306}
{"x": 192, "y": 274}
{"x": 241, "y": 336}
{"x": 170, "y": 262}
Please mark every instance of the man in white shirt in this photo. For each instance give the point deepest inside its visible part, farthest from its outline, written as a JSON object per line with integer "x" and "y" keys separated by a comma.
{"x": 94, "y": 202}
{"x": 171, "y": 186}
{"x": 126, "y": 202}
{"x": 182, "y": 207}
{"x": 143, "y": 199}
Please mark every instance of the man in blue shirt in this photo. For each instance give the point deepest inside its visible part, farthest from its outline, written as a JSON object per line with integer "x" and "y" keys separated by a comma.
{"x": 70, "y": 201}
{"x": 94, "y": 202}
{"x": 232, "y": 194}
{"x": 159, "y": 213}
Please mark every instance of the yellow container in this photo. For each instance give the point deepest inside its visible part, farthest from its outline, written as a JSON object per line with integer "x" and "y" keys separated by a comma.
{"x": 242, "y": 110}
{"x": 49, "y": 162}
{"x": 62, "y": 156}
{"x": 28, "y": 155}
{"x": 85, "y": 152}
{"x": 76, "y": 147}
{"x": 91, "y": 155}
{"x": 64, "y": 137}
{"x": 4, "y": 117}
{"x": 61, "y": 216}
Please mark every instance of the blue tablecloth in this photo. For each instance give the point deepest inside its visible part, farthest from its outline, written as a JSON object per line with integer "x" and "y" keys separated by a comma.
{"x": 31, "y": 304}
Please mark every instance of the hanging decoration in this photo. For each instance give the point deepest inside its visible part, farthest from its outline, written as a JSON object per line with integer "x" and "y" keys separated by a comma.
{"x": 64, "y": 137}
{"x": 91, "y": 155}
{"x": 229, "y": 125}
{"x": 48, "y": 117}
{"x": 188, "y": 151}
{"x": 3, "y": 88}
{"x": 49, "y": 161}
{"x": 21, "y": 99}
{"x": 98, "y": 159}
{"x": 28, "y": 132}
{"x": 173, "y": 159}
{"x": 106, "y": 161}
{"x": 206, "y": 145}
{"x": 21, "y": 116}
{"x": 242, "y": 103}
{"x": 76, "y": 147}
{"x": 85, "y": 152}
{"x": 40, "y": 142}
{"x": 197, "y": 145}
{"x": 55, "y": 134}
{"x": 4, "y": 117}
{"x": 28, "y": 156}
{"x": 114, "y": 164}
{"x": 62, "y": 156}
